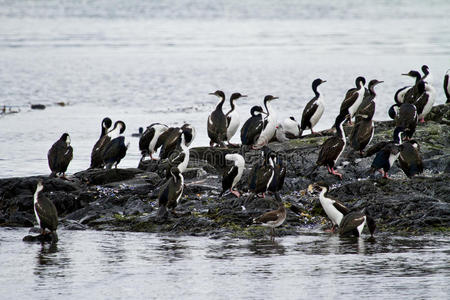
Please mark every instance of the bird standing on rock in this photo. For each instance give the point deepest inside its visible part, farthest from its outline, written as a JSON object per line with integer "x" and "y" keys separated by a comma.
{"x": 409, "y": 159}
{"x": 96, "y": 154}
{"x": 148, "y": 140}
{"x": 45, "y": 211}
{"x": 261, "y": 176}
{"x": 171, "y": 192}
{"x": 332, "y": 148}
{"x": 447, "y": 85}
{"x": 269, "y": 125}
{"x": 59, "y": 156}
{"x": 232, "y": 116}
{"x": 353, "y": 98}
{"x": 314, "y": 109}
{"x": 273, "y": 218}
{"x": 116, "y": 149}
{"x": 217, "y": 122}
{"x": 252, "y": 128}
{"x": 232, "y": 174}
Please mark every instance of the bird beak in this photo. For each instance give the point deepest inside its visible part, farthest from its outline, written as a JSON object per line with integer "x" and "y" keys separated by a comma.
{"x": 405, "y": 74}
{"x": 380, "y": 81}
{"x": 211, "y": 94}
{"x": 243, "y": 96}
{"x": 324, "y": 81}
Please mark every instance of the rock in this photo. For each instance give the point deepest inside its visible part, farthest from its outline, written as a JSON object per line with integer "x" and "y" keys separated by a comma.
{"x": 37, "y": 106}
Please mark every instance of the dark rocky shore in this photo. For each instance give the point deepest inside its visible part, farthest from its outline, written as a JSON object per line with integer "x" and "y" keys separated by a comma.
{"x": 126, "y": 199}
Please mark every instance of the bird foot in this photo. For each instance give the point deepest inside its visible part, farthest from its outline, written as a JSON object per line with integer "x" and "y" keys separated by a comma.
{"x": 336, "y": 173}
{"x": 261, "y": 195}
{"x": 422, "y": 120}
{"x": 236, "y": 193}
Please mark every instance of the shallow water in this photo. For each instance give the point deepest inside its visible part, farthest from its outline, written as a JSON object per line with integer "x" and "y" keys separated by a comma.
{"x": 116, "y": 265}
{"x": 157, "y": 61}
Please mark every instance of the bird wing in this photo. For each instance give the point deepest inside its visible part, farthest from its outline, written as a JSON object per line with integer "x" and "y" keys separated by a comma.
{"x": 251, "y": 130}
{"x": 421, "y": 102}
{"x": 330, "y": 149}
{"x": 146, "y": 138}
{"x": 270, "y": 216}
{"x": 47, "y": 213}
{"x": 114, "y": 150}
{"x": 228, "y": 177}
{"x": 341, "y": 207}
{"x": 350, "y": 222}
{"x": 350, "y": 98}
{"x": 263, "y": 176}
{"x": 375, "y": 148}
{"x": 308, "y": 112}
{"x": 176, "y": 158}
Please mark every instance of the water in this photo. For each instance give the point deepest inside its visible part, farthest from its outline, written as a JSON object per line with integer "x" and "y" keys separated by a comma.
{"x": 157, "y": 61}
{"x": 116, "y": 265}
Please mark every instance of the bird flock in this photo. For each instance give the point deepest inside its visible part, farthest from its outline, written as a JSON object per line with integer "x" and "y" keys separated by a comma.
{"x": 411, "y": 105}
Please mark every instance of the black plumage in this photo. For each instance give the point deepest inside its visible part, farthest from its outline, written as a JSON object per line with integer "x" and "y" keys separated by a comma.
{"x": 367, "y": 107}
{"x": 60, "y": 155}
{"x": 96, "y": 157}
{"x": 171, "y": 192}
{"x": 332, "y": 148}
{"x": 252, "y": 128}
{"x": 409, "y": 159}
{"x": 447, "y": 86}
{"x": 353, "y": 98}
{"x": 45, "y": 211}
{"x": 99, "y": 147}
{"x": 262, "y": 175}
{"x": 279, "y": 175}
{"x": 412, "y": 94}
{"x": 385, "y": 158}
{"x": 149, "y": 139}
{"x": 393, "y": 111}
{"x": 217, "y": 122}
{"x": 114, "y": 152}
{"x": 354, "y": 222}
{"x": 407, "y": 119}
{"x": 313, "y": 109}
{"x": 423, "y": 101}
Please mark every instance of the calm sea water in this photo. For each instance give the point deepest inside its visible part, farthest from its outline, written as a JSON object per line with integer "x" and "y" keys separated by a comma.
{"x": 156, "y": 61}
{"x": 315, "y": 265}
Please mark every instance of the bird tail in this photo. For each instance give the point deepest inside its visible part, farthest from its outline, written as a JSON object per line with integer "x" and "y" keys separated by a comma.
{"x": 54, "y": 236}
{"x": 162, "y": 212}
{"x": 52, "y": 174}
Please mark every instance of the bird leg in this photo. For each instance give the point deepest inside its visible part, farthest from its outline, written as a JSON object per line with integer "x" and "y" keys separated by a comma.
{"x": 386, "y": 175}
{"x": 336, "y": 173}
{"x": 263, "y": 195}
{"x": 329, "y": 170}
{"x": 422, "y": 120}
{"x": 236, "y": 193}
{"x": 64, "y": 176}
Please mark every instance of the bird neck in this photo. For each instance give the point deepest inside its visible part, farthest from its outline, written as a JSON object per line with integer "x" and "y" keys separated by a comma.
{"x": 372, "y": 91}
{"x": 232, "y": 105}
{"x": 268, "y": 108}
{"x": 316, "y": 92}
{"x": 323, "y": 194}
{"x": 219, "y": 106}
{"x": 340, "y": 130}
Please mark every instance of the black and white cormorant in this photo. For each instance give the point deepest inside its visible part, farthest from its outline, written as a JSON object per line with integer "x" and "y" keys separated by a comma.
{"x": 332, "y": 148}
{"x": 96, "y": 154}
{"x": 425, "y": 101}
{"x": 334, "y": 209}
{"x": 180, "y": 156}
{"x": 217, "y": 122}
{"x": 447, "y": 85}
{"x": 269, "y": 125}
{"x": 409, "y": 159}
{"x": 362, "y": 132}
{"x": 353, "y": 98}
{"x": 262, "y": 175}
{"x": 412, "y": 93}
{"x": 406, "y": 119}
{"x": 99, "y": 148}
{"x": 278, "y": 175}
{"x": 354, "y": 222}
{"x": 115, "y": 149}
{"x": 171, "y": 192}
{"x": 168, "y": 141}
{"x": 273, "y": 218}
{"x": 45, "y": 211}
{"x": 232, "y": 174}
{"x": 148, "y": 140}
{"x": 252, "y": 128}
{"x": 385, "y": 158}
{"x": 427, "y": 78}
{"x": 314, "y": 109}
{"x": 232, "y": 116}
{"x": 367, "y": 107}
{"x": 60, "y": 155}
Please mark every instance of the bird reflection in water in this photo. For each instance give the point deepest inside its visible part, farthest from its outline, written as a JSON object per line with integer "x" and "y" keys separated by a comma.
{"x": 266, "y": 247}
{"x": 50, "y": 263}
{"x": 172, "y": 249}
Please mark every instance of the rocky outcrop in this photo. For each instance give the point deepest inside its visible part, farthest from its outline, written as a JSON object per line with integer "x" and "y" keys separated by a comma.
{"x": 126, "y": 199}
